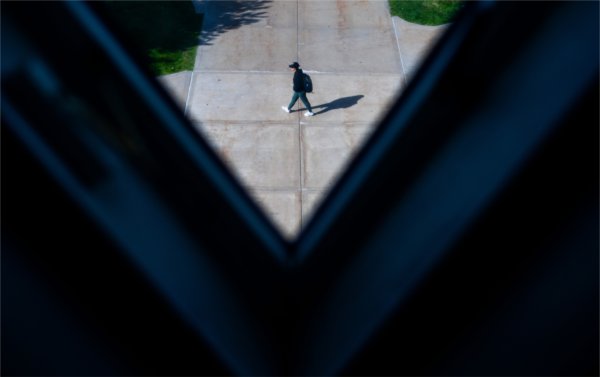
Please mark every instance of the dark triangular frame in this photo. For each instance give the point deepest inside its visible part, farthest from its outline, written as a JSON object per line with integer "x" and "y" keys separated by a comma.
{"x": 145, "y": 181}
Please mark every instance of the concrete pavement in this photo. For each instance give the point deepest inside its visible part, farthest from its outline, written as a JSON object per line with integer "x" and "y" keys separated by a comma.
{"x": 414, "y": 41}
{"x": 358, "y": 60}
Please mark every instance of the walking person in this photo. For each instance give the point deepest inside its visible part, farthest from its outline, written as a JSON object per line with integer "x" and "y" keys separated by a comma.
{"x": 299, "y": 91}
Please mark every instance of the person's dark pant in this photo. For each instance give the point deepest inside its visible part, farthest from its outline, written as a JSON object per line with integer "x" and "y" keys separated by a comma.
{"x": 302, "y": 96}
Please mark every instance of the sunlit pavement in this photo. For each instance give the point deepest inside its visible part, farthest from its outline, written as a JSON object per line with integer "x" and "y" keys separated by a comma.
{"x": 359, "y": 59}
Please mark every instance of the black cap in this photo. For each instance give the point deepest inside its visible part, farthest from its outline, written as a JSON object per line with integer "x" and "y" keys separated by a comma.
{"x": 294, "y": 65}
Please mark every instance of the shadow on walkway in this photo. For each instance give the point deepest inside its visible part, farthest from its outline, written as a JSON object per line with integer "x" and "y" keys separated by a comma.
{"x": 340, "y": 103}
{"x": 222, "y": 16}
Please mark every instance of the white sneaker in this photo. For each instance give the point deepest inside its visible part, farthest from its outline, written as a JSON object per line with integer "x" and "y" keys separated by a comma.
{"x": 308, "y": 114}
{"x": 285, "y": 109}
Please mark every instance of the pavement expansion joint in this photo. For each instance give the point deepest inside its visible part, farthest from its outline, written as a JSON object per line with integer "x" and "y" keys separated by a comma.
{"x": 329, "y": 123}
{"x": 241, "y": 72}
{"x": 277, "y": 189}
{"x": 221, "y": 122}
{"x": 311, "y": 72}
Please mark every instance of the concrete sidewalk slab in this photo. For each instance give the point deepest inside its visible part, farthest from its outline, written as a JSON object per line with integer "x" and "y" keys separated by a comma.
{"x": 227, "y": 15}
{"x": 351, "y": 98}
{"x": 240, "y": 97}
{"x": 257, "y": 97}
{"x": 283, "y": 207}
{"x": 248, "y": 35}
{"x": 347, "y": 36}
{"x": 238, "y": 50}
{"x": 311, "y": 199}
{"x": 263, "y": 156}
{"x": 414, "y": 42}
{"x": 349, "y": 50}
{"x": 178, "y": 86}
{"x": 346, "y": 14}
{"x": 327, "y": 149}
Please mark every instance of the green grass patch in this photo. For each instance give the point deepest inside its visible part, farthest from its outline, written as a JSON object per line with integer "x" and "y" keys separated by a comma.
{"x": 426, "y": 12}
{"x": 165, "y": 31}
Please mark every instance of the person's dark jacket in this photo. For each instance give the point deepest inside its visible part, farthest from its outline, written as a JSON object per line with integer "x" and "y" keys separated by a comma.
{"x": 298, "y": 81}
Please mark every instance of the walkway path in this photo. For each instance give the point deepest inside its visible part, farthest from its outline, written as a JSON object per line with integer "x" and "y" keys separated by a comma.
{"x": 241, "y": 80}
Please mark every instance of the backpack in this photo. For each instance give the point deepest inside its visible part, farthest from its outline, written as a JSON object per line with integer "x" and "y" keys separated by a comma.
{"x": 308, "y": 86}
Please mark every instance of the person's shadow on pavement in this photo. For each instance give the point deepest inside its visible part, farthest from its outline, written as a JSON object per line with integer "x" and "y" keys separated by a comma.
{"x": 340, "y": 103}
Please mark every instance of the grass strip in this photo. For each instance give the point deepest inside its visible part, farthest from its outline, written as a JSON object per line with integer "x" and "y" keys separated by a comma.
{"x": 426, "y": 12}
{"x": 165, "y": 31}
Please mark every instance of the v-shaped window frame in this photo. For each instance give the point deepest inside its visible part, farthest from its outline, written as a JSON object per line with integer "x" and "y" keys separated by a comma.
{"x": 265, "y": 305}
